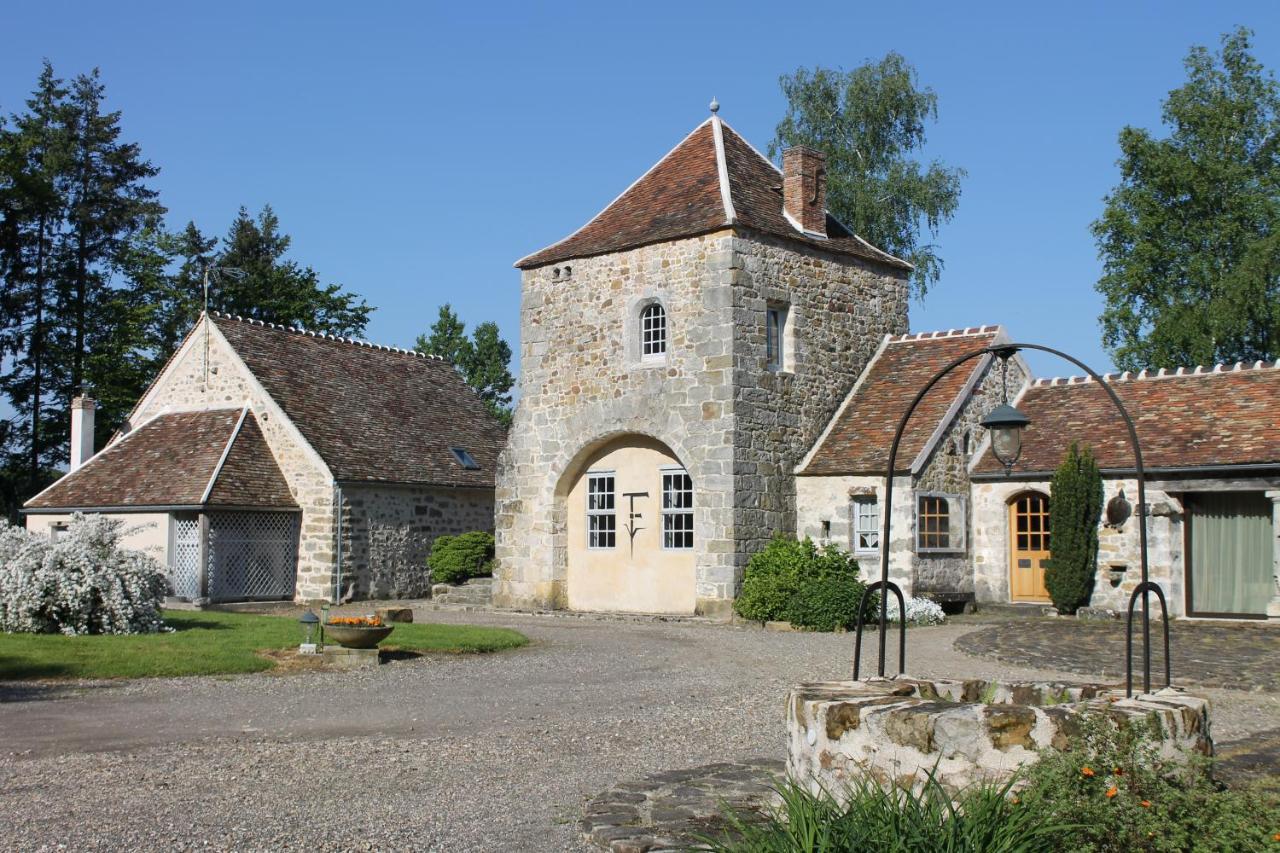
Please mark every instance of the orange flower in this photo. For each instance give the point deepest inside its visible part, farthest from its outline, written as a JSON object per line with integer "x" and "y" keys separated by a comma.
{"x": 1276, "y": 837}
{"x": 1118, "y": 771}
{"x": 1016, "y": 801}
{"x": 1112, "y": 791}
{"x": 1088, "y": 771}
{"x": 1146, "y": 804}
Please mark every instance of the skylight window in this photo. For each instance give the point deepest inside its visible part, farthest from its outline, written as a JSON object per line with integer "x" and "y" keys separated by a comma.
{"x": 465, "y": 459}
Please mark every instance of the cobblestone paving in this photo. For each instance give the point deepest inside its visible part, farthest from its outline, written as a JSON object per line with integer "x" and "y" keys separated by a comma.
{"x": 672, "y": 810}
{"x": 1239, "y": 657}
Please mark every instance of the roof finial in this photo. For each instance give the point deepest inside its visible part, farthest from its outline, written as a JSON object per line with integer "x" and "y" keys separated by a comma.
{"x": 715, "y": 105}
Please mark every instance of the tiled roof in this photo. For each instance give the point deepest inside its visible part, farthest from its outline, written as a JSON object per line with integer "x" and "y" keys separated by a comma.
{"x": 1204, "y": 417}
{"x": 683, "y": 195}
{"x": 373, "y": 413}
{"x": 170, "y": 461}
{"x": 858, "y": 439}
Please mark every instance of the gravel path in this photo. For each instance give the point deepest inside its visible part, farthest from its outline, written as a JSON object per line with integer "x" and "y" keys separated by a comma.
{"x": 494, "y": 752}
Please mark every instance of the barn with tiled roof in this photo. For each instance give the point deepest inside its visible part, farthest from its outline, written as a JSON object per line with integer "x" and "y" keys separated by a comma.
{"x": 270, "y": 462}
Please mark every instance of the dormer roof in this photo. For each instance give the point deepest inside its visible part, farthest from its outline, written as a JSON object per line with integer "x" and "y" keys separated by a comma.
{"x": 714, "y": 179}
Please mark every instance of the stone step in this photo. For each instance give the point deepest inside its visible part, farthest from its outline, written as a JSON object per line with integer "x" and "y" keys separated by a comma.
{"x": 477, "y": 592}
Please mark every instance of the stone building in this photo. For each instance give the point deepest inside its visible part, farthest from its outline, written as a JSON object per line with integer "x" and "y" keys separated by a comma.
{"x": 267, "y": 462}
{"x": 840, "y": 485}
{"x": 1210, "y": 439}
{"x": 681, "y": 353}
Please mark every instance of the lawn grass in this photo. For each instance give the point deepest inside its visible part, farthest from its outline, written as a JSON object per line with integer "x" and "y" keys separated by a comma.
{"x": 210, "y": 643}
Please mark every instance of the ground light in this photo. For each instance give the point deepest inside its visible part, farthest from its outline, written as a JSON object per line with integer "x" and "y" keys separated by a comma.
{"x": 309, "y": 621}
{"x": 1006, "y": 425}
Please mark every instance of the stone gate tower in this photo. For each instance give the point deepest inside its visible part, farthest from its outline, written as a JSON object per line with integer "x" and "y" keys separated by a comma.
{"x": 680, "y": 353}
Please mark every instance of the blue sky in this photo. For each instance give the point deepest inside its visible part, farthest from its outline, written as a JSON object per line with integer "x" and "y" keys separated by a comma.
{"x": 414, "y": 150}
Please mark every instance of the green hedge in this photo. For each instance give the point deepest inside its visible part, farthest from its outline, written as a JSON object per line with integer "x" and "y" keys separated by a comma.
{"x": 798, "y": 582}
{"x": 455, "y": 558}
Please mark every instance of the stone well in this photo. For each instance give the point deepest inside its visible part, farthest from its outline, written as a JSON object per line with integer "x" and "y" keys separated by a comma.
{"x": 898, "y": 729}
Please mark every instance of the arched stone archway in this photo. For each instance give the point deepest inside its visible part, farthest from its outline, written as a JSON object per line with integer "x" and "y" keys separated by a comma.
{"x": 626, "y": 513}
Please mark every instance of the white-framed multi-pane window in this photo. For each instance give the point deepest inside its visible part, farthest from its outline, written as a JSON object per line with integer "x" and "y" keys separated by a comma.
{"x": 602, "y": 516}
{"x": 677, "y": 509}
{"x": 653, "y": 331}
{"x": 940, "y": 523}
{"x": 864, "y": 525}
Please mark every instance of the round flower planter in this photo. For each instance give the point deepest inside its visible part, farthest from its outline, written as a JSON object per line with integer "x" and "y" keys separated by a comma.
{"x": 357, "y": 636}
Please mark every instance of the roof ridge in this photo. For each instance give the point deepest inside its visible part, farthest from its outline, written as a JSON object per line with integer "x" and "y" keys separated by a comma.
{"x": 298, "y": 330}
{"x": 619, "y": 196}
{"x": 970, "y": 331}
{"x": 1162, "y": 373}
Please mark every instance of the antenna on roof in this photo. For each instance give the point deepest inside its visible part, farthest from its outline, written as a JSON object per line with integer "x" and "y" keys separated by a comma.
{"x": 715, "y": 105}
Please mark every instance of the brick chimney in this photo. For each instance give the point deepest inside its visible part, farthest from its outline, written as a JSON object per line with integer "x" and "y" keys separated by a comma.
{"x": 804, "y": 188}
{"x": 82, "y": 411}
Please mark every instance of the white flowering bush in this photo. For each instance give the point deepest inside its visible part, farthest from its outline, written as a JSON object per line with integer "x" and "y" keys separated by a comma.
{"x": 920, "y": 611}
{"x": 84, "y": 583}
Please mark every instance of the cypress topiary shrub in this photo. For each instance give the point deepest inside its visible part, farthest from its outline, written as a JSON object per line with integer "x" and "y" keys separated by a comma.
{"x": 798, "y": 582}
{"x": 454, "y": 559}
{"x": 1075, "y": 508}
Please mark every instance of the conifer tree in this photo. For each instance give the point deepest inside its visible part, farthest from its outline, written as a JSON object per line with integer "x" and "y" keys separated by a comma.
{"x": 1075, "y": 508}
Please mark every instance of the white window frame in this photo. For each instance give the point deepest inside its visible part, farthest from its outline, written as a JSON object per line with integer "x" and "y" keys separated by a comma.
{"x": 957, "y": 524}
{"x": 856, "y": 529}
{"x": 670, "y": 514}
{"x": 597, "y": 530}
{"x": 653, "y": 332}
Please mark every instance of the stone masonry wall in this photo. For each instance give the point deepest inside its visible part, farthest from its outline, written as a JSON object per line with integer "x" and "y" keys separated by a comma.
{"x": 581, "y": 385}
{"x": 839, "y": 311}
{"x": 388, "y": 531}
{"x": 1117, "y": 548}
{"x": 947, "y": 472}
{"x": 182, "y": 387}
{"x": 736, "y": 427}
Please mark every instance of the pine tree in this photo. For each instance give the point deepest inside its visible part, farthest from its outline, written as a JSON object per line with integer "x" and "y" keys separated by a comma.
{"x": 483, "y": 360}
{"x": 33, "y": 154}
{"x": 488, "y": 370}
{"x": 276, "y": 289}
{"x": 1075, "y": 508}
{"x": 448, "y": 339}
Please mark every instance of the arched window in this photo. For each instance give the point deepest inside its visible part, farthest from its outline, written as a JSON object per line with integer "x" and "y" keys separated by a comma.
{"x": 653, "y": 331}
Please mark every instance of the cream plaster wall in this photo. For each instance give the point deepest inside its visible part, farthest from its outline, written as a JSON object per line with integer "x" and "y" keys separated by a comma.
{"x": 143, "y": 531}
{"x": 820, "y": 499}
{"x": 638, "y": 574}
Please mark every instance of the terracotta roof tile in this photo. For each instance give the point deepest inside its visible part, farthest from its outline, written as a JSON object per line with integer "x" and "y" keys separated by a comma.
{"x": 681, "y": 196}
{"x": 373, "y": 413}
{"x": 1215, "y": 417}
{"x": 169, "y": 461}
{"x": 858, "y": 440}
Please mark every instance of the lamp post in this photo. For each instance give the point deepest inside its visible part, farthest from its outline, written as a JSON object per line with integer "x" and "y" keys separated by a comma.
{"x": 1006, "y": 424}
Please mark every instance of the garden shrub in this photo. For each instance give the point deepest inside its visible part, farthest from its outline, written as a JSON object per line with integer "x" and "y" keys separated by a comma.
{"x": 454, "y": 559}
{"x": 920, "y": 611}
{"x": 1115, "y": 787}
{"x": 798, "y": 582}
{"x": 85, "y": 583}
{"x": 1075, "y": 508}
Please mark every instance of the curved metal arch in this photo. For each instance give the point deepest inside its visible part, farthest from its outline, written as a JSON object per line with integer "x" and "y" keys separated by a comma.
{"x": 1144, "y": 588}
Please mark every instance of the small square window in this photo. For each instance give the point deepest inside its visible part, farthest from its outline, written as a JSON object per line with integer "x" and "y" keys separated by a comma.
{"x": 940, "y": 523}
{"x": 465, "y": 459}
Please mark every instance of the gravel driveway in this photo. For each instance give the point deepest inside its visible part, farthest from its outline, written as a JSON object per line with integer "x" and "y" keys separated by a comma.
{"x": 494, "y": 752}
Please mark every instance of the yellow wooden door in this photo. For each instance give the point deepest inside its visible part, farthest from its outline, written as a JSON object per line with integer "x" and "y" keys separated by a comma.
{"x": 1028, "y": 546}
